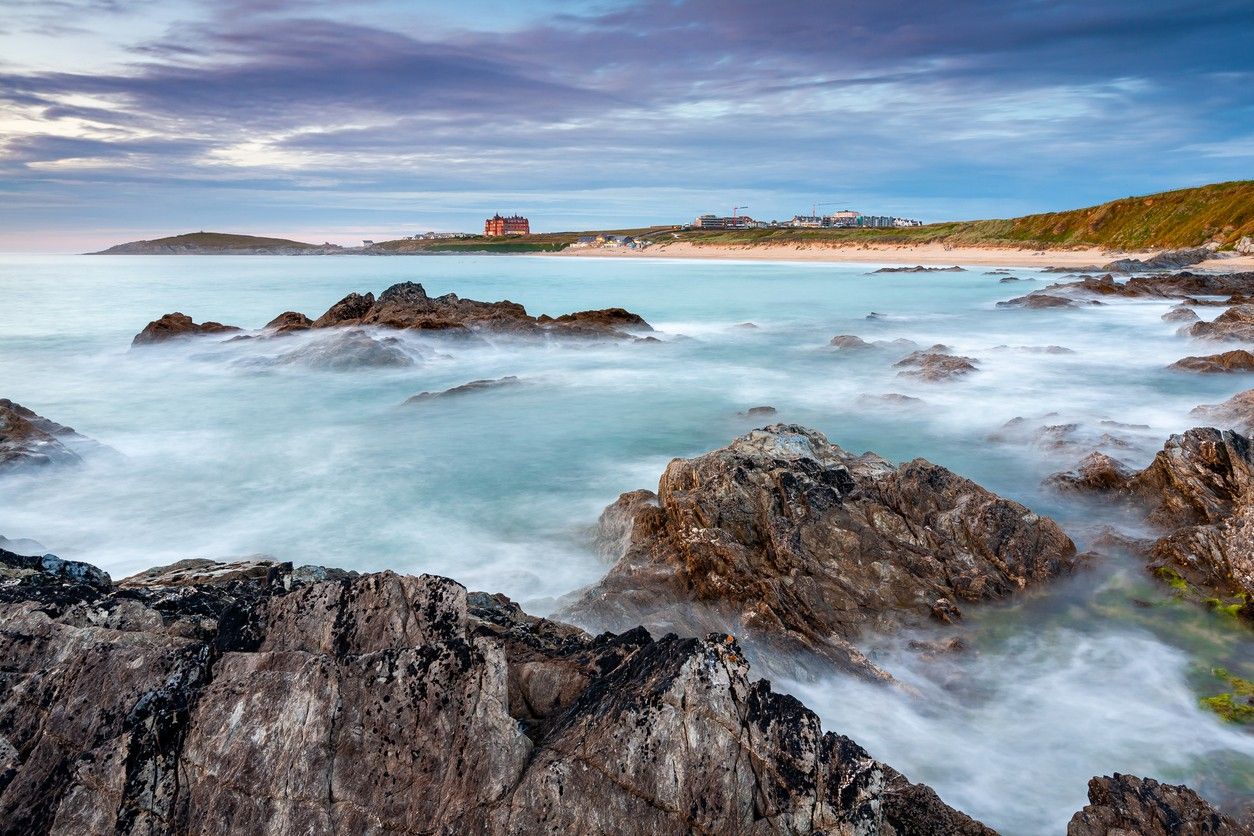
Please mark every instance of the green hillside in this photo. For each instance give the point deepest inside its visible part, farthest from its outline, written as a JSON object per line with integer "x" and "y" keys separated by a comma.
{"x": 209, "y": 242}
{"x": 1221, "y": 212}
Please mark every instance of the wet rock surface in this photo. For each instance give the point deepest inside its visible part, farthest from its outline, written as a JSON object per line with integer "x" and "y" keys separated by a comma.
{"x": 1123, "y": 805}
{"x": 798, "y": 546}
{"x": 178, "y": 325}
{"x": 234, "y": 698}
{"x": 1199, "y": 493}
{"x": 1238, "y": 360}
{"x": 289, "y": 321}
{"x": 919, "y": 268}
{"x": 934, "y": 366}
{"x": 1164, "y": 286}
{"x": 1235, "y": 324}
{"x": 344, "y": 351}
{"x": 466, "y": 389}
{"x": 28, "y": 439}
{"x": 1236, "y": 413}
{"x": 1041, "y": 300}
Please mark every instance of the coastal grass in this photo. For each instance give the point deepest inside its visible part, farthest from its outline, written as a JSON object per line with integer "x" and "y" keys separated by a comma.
{"x": 1222, "y": 212}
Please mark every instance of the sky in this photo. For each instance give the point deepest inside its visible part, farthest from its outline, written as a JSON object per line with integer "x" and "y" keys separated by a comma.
{"x": 127, "y": 119}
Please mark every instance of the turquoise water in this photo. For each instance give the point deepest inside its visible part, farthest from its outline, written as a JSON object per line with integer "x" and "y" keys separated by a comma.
{"x": 219, "y": 457}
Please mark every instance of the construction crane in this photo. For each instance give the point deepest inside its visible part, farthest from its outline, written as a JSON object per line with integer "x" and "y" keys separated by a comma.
{"x": 736, "y": 209}
{"x": 814, "y": 208}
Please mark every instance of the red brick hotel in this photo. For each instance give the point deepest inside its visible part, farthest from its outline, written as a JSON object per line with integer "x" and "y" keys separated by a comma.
{"x": 513, "y": 225}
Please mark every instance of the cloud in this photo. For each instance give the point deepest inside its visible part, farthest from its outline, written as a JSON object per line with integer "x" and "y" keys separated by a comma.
{"x": 1045, "y": 103}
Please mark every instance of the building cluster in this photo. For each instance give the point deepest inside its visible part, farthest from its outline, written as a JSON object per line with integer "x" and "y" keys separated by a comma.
{"x": 844, "y": 219}
{"x": 496, "y": 226}
{"x": 608, "y": 242}
{"x": 437, "y": 236}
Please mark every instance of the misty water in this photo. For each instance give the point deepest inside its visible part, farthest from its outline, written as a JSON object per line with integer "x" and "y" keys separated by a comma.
{"x": 219, "y": 454}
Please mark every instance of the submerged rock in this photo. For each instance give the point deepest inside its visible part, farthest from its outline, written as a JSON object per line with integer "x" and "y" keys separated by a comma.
{"x": 1040, "y": 300}
{"x": 758, "y": 412}
{"x": 1180, "y": 313}
{"x": 178, "y": 325}
{"x": 29, "y": 439}
{"x": 1238, "y": 360}
{"x": 1235, "y": 413}
{"x": 239, "y": 700}
{"x": 919, "y": 268}
{"x": 1096, "y": 472}
{"x": 1122, "y": 805}
{"x": 465, "y": 389}
{"x": 345, "y": 351}
{"x": 797, "y": 545}
{"x": 935, "y": 366}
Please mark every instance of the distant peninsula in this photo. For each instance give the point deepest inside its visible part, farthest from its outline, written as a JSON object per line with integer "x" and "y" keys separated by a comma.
{"x": 1220, "y": 215}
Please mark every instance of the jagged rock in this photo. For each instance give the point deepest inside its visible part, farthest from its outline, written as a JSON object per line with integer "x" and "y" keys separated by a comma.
{"x": 934, "y": 366}
{"x": 289, "y": 321}
{"x": 407, "y": 305}
{"x": 1237, "y": 360}
{"x": 175, "y": 326}
{"x": 1180, "y": 313}
{"x": 1245, "y": 246}
{"x": 29, "y": 439}
{"x": 1235, "y": 324}
{"x": 1199, "y": 493}
{"x": 1122, "y": 805}
{"x": 797, "y": 545}
{"x": 1166, "y": 260}
{"x": 1096, "y": 472}
{"x": 1013, "y": 280}
{"x": 348, "y": 310}
{"x": 343, "y": 351}
{"x": 465, "y": 389}
{"x": 1235, "y": 413}
{"x": 1164, "y": 286}
{"x": 382, "y": 703}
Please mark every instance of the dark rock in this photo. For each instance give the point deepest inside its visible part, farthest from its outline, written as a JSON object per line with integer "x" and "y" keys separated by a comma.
{"x": 934, "y": 366}
{"x": 1236, "y": 413}
{"x": 849, "y": 341}
{"x": 797, "y": 545}
{"x": 29, "y": 439}
{"x": 465, "y": 389}
{"x": 608, "y": 319}
{"x": 289, "y": 321}
{"x": 758, "y": 412}
{"x": 176, "y": 326}
{"x": 1122, "y": 805}
{"x": 1166, "y": 260}
{"x": 919, "y": 268}
{"x": 748, "y": 326}
{"x": 1237, "y": 360}
{"x": 891, "y": 399}
{"x": 1013, "y": 279}
{"x": 1234, "y": 324}
{"x": 219, "y": 699}
{"x": 348, "y": 310}
{"x": 1163, "y": 286}
{"x": 1037, "y": 301}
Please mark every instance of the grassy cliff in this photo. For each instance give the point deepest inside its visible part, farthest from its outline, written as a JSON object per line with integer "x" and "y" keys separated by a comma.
{"x": 210, "y": 243}
{"x": 1221, "y": 212}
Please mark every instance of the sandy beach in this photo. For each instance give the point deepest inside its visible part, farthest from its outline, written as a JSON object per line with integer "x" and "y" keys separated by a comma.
{"x": 928, "y": 255}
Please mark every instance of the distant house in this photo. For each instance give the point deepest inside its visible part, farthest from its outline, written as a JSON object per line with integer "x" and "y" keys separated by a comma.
{"x": 496, "y": 226}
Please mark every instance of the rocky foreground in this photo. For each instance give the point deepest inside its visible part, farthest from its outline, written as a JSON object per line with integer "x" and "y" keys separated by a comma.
{"x": 254, "y": 697}
{"x": 407, "y": 306}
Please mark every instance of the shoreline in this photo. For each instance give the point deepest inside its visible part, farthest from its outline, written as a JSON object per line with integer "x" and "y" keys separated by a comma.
{"x": 927, "y": 255}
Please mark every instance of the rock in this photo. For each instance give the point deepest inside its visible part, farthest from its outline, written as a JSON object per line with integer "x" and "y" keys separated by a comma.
{"x": 1238, "y": 360}
{"x": 344, "y": 351}
{"x": 1040, "y": 300}
{"x": 29, "y": 439}
{"x": 890, "y": 399}
{"x": 1245, "y": 246}
{"x": 798, "y": 546}
{"x": 1182, "y": 285}
{"x": 1236, "y": 413}
{"x": 394, "y": 704}
{"x": 1234, "y": 324}
{"x": 176, "y": 326}
{"x": 1013, "y": 279}
{"x": 758, "y": 412}
{"x": 1180, "y": 313}
{"x": 1096, "y": 472}
{"x": 748, "y": 326}
{"x": 348, "y": 310}
{"x": 465, "y": 389}
{"x": 1122, "y": 805}
{"x": 919, "y": 268}
{"x": 607, "y": 319}
{"x": 1166, "y": 260}
{"x": 849, "y": 341}
{"x": 934, "y": 366}
{"x": 289, "y": 321}
{"x": 407, "y": 305}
